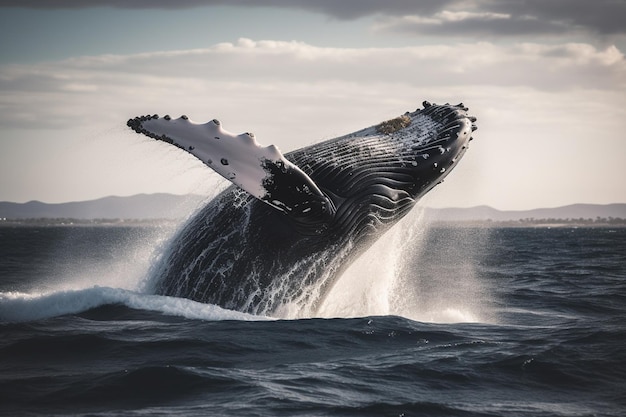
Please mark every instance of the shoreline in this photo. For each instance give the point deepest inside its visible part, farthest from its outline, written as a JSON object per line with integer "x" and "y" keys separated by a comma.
{"x": 493, "y": 224}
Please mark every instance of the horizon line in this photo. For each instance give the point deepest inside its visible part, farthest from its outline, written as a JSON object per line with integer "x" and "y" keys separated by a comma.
{"x": 200, "y": 196}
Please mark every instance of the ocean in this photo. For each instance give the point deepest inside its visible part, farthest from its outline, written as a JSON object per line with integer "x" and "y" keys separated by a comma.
{"x": 432, "y": 321}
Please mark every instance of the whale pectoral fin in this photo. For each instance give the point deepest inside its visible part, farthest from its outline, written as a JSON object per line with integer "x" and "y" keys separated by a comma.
{"x": 261, "y": 171}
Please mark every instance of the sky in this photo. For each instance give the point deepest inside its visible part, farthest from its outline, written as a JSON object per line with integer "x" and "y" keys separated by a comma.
{"x": 545, "y": 78}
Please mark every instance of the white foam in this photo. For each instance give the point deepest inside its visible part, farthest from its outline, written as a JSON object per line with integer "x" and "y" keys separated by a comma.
{"x": 384, "y": 281}
{"x": 446, "y": 315}
{"x": 370, "y": 284}
{"x": 23, "y": 307}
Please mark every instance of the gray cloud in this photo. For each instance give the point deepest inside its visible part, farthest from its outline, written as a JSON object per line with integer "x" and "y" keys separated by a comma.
{"x": 477, "y": 25}
{"x": 537, "y": 105}
{"x": 277, "y": 69}
{"x": 600, "y": 16}
{"x": 338, "y": 9}
{"x": 425, "y": 17}
{"x": 517, "y": 18}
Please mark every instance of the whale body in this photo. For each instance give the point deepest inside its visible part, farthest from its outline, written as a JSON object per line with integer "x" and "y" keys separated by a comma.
{"x": 290, "y": 224}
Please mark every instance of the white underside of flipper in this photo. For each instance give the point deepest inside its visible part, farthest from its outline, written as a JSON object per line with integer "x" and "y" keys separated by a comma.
{"x": 257, "y": 169}
{"x": 237, "y": 158}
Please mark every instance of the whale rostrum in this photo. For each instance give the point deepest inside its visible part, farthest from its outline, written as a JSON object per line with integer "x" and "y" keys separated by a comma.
{"x": 293, "y": 222}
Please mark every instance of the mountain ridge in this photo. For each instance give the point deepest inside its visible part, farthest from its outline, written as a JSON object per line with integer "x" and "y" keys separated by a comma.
{"x": 571, "y": 211}
{"x": 167, "y": 206}
{"x": 139, "y": 206}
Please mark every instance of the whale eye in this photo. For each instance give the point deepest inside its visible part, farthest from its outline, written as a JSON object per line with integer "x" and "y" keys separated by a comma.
{"x": 167, "y": 117}
{"x": 217, "y": 122}
{"x": 224, "y": 161}
{"x": 184, "y": 117}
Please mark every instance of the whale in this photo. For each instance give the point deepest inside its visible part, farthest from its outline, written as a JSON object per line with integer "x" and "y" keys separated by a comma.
{"x": 289, "y": 225}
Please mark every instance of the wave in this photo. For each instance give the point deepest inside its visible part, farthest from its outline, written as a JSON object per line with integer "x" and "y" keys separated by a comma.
{"x": 24, "y": 307}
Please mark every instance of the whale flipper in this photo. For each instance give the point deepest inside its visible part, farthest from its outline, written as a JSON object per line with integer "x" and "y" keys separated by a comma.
{"x": 261, "y": 171}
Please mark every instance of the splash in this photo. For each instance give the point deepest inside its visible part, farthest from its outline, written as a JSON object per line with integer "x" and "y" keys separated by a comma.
{"x": 371, "y": 285}
{"x": 414, "y": 270}
{"x": 415, "y": 273}
{"x": 22, "y": 307}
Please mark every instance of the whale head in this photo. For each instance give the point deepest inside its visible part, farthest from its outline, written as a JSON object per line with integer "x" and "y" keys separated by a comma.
{"x": 376, "y": 175}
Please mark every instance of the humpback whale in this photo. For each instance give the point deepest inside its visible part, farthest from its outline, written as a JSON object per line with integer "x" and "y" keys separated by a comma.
{"x": 290, "y": 224}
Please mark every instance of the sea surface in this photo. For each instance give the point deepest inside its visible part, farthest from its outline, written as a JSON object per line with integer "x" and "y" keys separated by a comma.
{"x": 433, "y": 321}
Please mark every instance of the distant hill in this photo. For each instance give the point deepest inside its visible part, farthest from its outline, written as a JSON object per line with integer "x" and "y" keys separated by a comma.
{"x": 574, "y": 211}
{"x": 169, "y": 206}
{"x": 142, "y": 206}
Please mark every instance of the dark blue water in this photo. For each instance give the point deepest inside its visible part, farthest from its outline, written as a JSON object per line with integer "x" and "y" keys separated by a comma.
{"x": 498, "y": 322}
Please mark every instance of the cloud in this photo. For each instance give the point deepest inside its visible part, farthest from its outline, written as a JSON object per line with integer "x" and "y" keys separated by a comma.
{"x": 553, "y": 67}
{"x": 516, "y": 18}
{"x": 602, "y": 17}
{"x": 338, "y": 9}
{"x": 279, "y": 85}
{"x": 544, "y": 111}
{"x": 473, "y": 24}
{"x": 440, "y": 17}
{"x": 265, "y": 77}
